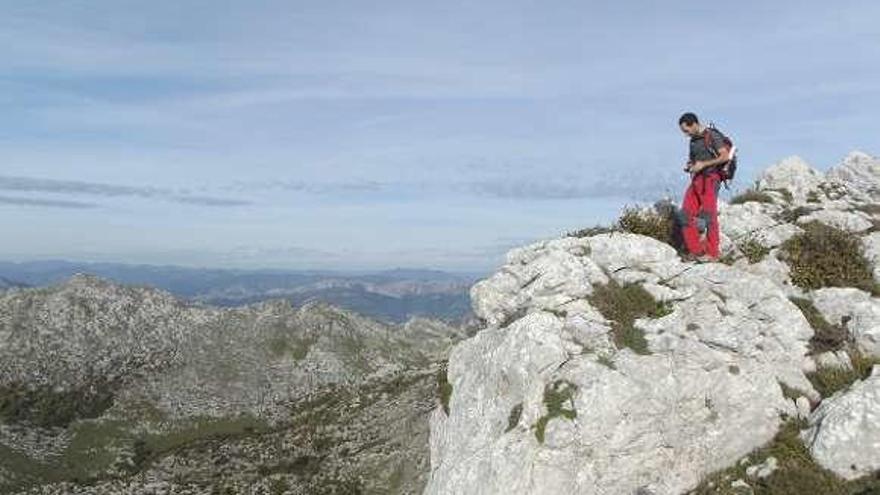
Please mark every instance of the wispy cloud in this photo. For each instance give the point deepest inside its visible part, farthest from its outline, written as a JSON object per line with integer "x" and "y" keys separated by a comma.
{"x": 51, "y": 203}
{"x": 55, "y": 186}
{"x": 631, "y": 184}
{"x": 345, "y": 186}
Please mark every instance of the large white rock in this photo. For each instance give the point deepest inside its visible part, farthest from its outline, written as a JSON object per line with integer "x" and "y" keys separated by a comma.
{"x": 794, "y": 175}
{"x": 544, "y": 275}
{"x": 860, "y": 172}
{"x": 752, "y": 221}
{"x": 707, "y": 394}
{"x": 856, "y": 310}
{"x": 844, "y": 433}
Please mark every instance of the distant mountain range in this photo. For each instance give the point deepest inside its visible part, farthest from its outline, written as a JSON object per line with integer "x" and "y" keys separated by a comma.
{"x": 390, "y": 295}
{"x": 107, "y": 388}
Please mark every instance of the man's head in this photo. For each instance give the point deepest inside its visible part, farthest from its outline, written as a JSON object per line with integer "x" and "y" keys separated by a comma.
{"x": 690, "y": 124}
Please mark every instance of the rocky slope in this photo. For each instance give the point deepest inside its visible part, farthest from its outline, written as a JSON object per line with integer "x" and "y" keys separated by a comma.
{"x": 114, "y": 389}
{"x": 610, "y": 366}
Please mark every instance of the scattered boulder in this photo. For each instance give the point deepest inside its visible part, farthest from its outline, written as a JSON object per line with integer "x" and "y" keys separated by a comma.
{"x": 844, "y": 433}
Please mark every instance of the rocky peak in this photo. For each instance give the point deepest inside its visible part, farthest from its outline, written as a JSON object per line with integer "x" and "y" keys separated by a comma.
{"x": 609, "y": 365}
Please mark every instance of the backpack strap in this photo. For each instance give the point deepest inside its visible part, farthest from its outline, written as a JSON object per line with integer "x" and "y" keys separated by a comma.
{"x": 707, "y": 140}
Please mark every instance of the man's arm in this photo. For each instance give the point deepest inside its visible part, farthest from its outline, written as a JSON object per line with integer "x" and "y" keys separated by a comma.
{"x": 723, "y": 154}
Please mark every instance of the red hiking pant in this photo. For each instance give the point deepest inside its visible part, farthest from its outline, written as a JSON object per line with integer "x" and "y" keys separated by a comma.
{"x": 700, "y": 206}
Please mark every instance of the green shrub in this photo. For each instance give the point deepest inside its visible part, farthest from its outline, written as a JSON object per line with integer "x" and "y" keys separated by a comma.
{"x": 823, "y": 256}
{"x": 753, "y": 250}
{"x": 751, "y": 195}
{"x": 786, "y": 194}
{"x": 826, "y": 337}
{"x": 790, "y": 215}
{"x": 45, "y": 406}
{"x": 797, "y": 472}
{"x": 622, "y": 305}
{"x": 590, "y": 231}
{"x": 659, "y": 225}
{"x": 828, "y": 380}
{"x": 556, "y": 394}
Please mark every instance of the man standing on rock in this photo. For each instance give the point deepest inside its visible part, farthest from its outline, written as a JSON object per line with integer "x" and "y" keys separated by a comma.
{"x": 698, "y": 217}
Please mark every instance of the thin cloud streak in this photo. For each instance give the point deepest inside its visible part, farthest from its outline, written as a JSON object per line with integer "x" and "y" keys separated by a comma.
{"x": 51, "y": 203}
{"x": 30, "y": 184}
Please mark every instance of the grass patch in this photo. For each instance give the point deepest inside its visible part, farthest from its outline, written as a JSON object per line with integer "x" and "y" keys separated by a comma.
{"x": 556, "y": 395}
{"x": 751, "y": 195}
{"x": 786, "y": 194}
{"x": 591, "y": 231}
{"x": 869, "y": 208}
{"x": 728, "y": 258}
{"x": 830, "y": 380}
{"x": 606, "y": 361}
{"x": 444, "y": 388}
{"x": 823, "y": 256}
{"x": 514, "y": 417}
{"x": 790, "y": 215}
{"x": 623, "y": 305}
{"x": 826, "y": 337}
{"x": 753, "y": 250}
{"x": 659, "y": 223}
{"x": 47, "y": 407}
{"x": 791, "y": 393}
{"x": 797, "y": 473}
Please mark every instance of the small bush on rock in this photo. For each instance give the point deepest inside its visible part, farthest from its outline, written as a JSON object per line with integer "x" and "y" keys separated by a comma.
{"x": 824, "y": 256}
{"x": 753, "y": 250}
{"x": 829, "y": 380}
{"x": 658, "y": 223}
{"x": 797, "y": 474}
{"x": 556, "y": 395}
{"x": 790, "y": 215}
{"x": 751, "y": 195}
{"x": 826, "y": 337}
{"x": 622, "y": 305}
{"x": 590, "y": 231}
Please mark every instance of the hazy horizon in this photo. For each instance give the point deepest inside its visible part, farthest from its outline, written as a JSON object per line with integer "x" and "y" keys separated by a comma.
{"x": 354, "y": 136}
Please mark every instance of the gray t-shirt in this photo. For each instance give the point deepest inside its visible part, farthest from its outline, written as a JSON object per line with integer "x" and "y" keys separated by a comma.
{"x": 700, "y": 152}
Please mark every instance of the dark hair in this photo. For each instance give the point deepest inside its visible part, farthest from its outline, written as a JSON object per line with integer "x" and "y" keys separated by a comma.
{"x": 688, "y": 118}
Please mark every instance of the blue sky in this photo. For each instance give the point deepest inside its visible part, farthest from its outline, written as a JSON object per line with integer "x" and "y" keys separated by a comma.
{"x": 361, "y": 135}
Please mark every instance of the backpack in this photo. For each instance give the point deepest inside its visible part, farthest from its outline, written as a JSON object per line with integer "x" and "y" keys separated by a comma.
{"x": 728, "y": 169}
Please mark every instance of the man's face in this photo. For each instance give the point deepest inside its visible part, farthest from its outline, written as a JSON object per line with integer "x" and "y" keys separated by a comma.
{"x": 690, "y": 130}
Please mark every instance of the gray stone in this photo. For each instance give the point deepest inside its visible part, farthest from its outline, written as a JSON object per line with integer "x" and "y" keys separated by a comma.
{"x": 844, "y": 433}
